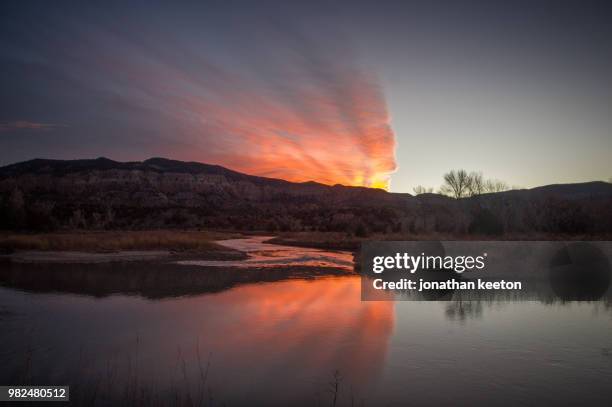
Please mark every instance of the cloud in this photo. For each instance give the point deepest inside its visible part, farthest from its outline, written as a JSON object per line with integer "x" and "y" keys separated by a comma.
{"x": 266, "y": 98}
{"x": 300, "y": 112}
{"x": 27, "y": 125}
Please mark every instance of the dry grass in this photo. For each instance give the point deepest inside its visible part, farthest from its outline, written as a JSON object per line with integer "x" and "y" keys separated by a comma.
{"x": 113, "y": 240}
{"x": 203, "y": 240}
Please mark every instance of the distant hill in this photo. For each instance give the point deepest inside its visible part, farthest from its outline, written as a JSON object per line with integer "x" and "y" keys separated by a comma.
{"x": 159, "y": 193}
{"x": 159, "y": 165}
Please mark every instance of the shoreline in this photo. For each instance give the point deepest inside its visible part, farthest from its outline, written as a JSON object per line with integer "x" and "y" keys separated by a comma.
{"x": 90, "y": 247}
{"x": 91, "y": 257}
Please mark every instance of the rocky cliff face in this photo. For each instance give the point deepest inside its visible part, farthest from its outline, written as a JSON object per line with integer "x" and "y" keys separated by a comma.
{"x": 151, "y": 193}
{"x": 158, "y": 193}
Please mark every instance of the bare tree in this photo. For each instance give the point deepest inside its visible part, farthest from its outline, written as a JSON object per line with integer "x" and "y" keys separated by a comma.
{"x": 456, "y": 184}
{"x": 476, "y": 184}
{"x": 419, "y": 189}
{"x": 460, "y": 184}
{"x": 495, "y": 185}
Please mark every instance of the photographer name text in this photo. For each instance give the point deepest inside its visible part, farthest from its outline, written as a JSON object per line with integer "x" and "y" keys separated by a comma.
{"x": 450, "y": 284}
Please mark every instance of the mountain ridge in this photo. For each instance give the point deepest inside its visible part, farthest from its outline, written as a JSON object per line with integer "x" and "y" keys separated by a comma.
{"x": 162, "y": 193}
{"x": 60, "y": 167}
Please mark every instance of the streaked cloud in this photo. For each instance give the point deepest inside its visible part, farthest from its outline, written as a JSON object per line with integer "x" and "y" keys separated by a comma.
{"x": 271, "y": 98}
{"x": 278, "y": 88}
{"x": 306, "y": 112}
{"x": 333, "y": 128}
{"x": 294, "y": 109}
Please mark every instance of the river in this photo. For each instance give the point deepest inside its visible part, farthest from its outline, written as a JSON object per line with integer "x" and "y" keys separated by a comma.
{"x": 289, "y": 341}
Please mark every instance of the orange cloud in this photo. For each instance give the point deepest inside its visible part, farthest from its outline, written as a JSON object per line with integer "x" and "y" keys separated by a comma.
{"x": 294, "y": 104}
{"x": 337, "y": 136}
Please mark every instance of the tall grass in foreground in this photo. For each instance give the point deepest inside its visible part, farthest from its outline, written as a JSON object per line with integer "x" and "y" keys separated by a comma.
{"x": 112, "y": 240}
{"x": 121, "y": 384}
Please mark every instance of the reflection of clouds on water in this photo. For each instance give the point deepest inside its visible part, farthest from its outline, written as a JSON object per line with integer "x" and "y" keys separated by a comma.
{"x": 284, "y": 340}
{"x": 270, "y": 255}
{"x": 274, "y": 341}
{"x": 322, "y": 323}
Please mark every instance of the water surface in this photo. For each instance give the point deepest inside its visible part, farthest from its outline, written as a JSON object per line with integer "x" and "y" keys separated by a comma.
{"x": 280, "y": 342}
{"x": 262, "y": 254}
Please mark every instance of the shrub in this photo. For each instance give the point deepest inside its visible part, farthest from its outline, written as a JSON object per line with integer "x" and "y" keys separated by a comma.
{"x": 486, "y": 223}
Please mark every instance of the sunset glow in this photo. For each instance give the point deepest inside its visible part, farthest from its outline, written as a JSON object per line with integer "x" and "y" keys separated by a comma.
{"x": 349, "y": 143}
{"x": 331, "y": 126}
{"x": 291, "y": 103}
{"x": 305, "y": 91}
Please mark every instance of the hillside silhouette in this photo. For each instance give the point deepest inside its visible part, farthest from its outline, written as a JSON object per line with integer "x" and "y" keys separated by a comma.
{"x": 102, "y": 194}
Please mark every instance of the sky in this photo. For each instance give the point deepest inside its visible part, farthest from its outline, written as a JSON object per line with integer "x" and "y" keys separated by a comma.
{"x": 381, "y": 94}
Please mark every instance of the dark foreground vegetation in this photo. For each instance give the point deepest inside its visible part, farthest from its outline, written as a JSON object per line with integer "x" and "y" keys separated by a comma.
{"x": 122, "y": 382}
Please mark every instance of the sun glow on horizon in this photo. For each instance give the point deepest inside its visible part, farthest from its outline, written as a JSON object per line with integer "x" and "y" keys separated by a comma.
{"x": 332, "y": 135}
{"x": 299, "y": 106}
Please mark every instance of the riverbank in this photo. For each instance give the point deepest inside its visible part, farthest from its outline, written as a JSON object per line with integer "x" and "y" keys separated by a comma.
{"x": 116, "y": 246}
{"x": 351, "y": 242}
{"x": 113, "y": 240}
{"x": 113, "y": 246}
{"x": 162, "y": 273}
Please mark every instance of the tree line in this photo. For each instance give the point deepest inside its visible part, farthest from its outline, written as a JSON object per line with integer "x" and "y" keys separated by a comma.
{"x": 461, "y": 184}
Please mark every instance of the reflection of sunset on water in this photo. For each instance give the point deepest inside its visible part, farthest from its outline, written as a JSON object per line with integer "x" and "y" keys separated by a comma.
{"x": 284, "y": 339}
{"x": 279, "y": 344}
{"x": 310, "y": 326}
